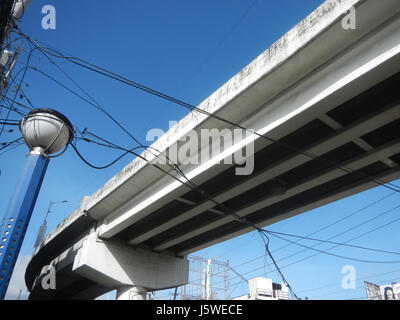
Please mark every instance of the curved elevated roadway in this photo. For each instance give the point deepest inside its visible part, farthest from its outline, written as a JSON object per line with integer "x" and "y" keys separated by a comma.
{"x": 330, "y": 91}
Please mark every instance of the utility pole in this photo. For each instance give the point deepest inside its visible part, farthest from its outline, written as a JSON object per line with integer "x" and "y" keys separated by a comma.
{"x": 6, "y": 10}
{"x": 10, "y": 13}
{"x": 43, "y": 227}
{"x": 7, "y": 64}
{"x": 6, "y": 14}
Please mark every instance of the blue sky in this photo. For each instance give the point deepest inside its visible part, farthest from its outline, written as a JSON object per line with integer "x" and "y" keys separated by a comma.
{"x": 187, "y": 49}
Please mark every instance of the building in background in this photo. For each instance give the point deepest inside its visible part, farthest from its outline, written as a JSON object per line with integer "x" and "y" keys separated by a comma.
{"x": 383, "y": 292}
{"x": 209, "y": 279}
{"x": 265, "y": 289}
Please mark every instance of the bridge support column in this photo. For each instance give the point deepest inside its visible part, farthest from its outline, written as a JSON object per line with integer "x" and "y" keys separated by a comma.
{"x": 132, "y": 271}
{"x": 131, "y": 293}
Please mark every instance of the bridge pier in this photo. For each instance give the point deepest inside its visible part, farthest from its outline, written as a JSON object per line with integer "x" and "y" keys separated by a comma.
{"x": 132, "y": 271}
{"x": 131, "y": 293}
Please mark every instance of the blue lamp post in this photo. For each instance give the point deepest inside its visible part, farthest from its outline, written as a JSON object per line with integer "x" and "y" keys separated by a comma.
{"x": 45, "y": 132}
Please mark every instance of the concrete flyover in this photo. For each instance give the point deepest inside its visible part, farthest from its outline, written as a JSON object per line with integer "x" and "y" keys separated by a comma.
{"x": 324, "y": 89}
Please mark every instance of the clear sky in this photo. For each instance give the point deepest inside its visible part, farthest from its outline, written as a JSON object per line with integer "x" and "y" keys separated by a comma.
{"x": 187, "y": 49}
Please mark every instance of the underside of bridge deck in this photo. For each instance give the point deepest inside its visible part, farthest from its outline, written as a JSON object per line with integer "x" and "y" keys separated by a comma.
{"x": 358, "y": 144}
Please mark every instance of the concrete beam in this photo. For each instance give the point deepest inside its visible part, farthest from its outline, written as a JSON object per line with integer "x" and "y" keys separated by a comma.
{"x": 358, "y": 141}
{"x": 376, "y": 57}
{"x": 355, "y": 164}
{"x": 346, "y": 192}
{"x": 342, "y": 137}
{"x": 243, "y": 89}
{"x": 117, "y": 265}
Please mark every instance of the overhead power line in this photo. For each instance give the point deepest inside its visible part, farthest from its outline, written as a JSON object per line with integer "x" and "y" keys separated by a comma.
{"x": 301, "y": 237}
{"x": 196, "y": 188}
{"x": 358, "y": 279}
{"x": 18, "y": 88}
{"x": 8, "y": 122}
{"x": 324, "y": 228}
{"x": 323, "y": 251}
{"x": 331, "y": 242}
{"x": 263, "y": 233}
{"x": 338, "y": 256}
{"x": 5, "y": 145}
{"x": 354, "y": 238}
{"x": 332, "y": 254}
{"x": 100, "y": 70}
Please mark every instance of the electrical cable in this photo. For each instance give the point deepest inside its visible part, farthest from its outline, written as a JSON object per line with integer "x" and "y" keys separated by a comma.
{"x": 332, "y": 254}
{"x": 99, "y": 107}
{"x": 324, "y": 228}
{"x": 18, "y": 103}
{"x": 19, "y": 86}
{"x": 234, "y": 215}
{"x": 395, "y": 190}
{"x": 26, "y": 98}
{"x": 84, "y": 99}
{"x": 4, "y": 145}
{"x": 200, "y": 66}
{"x": 358, "y": 279}
{"x": 359, "y": 173}
{"x": 273, "y": 232}
{"x": 105, "y": 166}
{"x": 352, "y": 239}
{"x": 255, "y": 227}
{"x": 262, "y": 231}
{"x": 10, "y": 148}
{"x": 363, "y": 234}
{"x": 94, "y": 102}
{"x": 337, "y": 284}
{"x": 331, "y": 242}
{"x": 194, "y": 187}
{"x": 13, "y": 78}
{"x": 13, "y": 109}
{"x": 341, "y": 291}
{"x": 10, "y": 120}
{"x": 131, "y": 151}
{"x": 338, "y": 256}
{"x": 96, "y": 105}
{"x": 5, "y": 123}
{"x": 7, "y": 45}
{"x": 122, "y": 79}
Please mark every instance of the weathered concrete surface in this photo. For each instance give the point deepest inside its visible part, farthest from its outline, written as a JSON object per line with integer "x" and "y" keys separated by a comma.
{"x": 118, "y": 265}
{"x": 285, "y": 55}
{"x": 280, "y": 52}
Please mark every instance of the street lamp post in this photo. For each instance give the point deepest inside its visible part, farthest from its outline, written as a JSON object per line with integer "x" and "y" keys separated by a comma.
{"x": 45, "y": 132}
{"x": 43, "y": 227}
